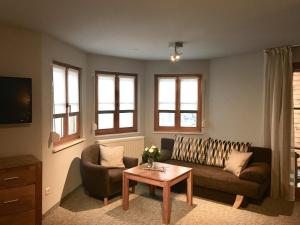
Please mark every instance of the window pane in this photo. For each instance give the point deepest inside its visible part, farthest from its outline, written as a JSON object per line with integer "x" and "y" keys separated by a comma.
{"x": 106, "y": 92}
{"x": 58, "y": 126}
{"x": 126, "y": 120}
{"x": 167, "y": 93}
{"x": 105, "y": 121}
{"x": 73, "y": 90}
{"x": 296, "y": 89}
{"x": 72, "y": 125}
{"x": 167, "y": 119}
{"x": 126, "y": 87}
{"x": 188, "y": 119}
{"x": 59, "y": 89}
{"x": 188, "y": 94}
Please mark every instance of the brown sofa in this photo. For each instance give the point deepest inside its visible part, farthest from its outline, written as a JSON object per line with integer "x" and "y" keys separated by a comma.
{"x": 217, "y": 184}
{"x": 99, "y": 181}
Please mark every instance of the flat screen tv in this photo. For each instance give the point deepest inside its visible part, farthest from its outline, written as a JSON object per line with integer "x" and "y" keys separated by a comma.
{"x": 15, "y": 100}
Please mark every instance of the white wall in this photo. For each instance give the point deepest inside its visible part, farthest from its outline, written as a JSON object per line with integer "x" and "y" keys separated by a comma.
{"x": 235, "y": 99}
{"x": 116, "y": 64}
{"x": 20, "y": 56}
{"x": 61, "y": 169}
{"x": 165, "y": 67}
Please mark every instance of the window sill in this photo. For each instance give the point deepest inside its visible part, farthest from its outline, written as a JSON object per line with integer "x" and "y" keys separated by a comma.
{"x": 67, "y": 145}
{"x": 178, "y": 132}
{"x": 117, "y": 135}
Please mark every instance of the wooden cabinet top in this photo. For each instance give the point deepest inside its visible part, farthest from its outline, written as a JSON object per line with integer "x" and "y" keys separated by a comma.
{"x": 17, "y": 161}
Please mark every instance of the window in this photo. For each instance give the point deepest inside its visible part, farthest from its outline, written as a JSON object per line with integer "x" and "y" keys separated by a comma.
{"x": 66, "y": 101}
{"x": 177, "y": 103}
{"x": 116, "y": 102}
{"x": 296, "y": 104}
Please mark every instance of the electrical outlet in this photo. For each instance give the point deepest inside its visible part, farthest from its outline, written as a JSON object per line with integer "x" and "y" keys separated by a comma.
{"x": 47, "y": 191}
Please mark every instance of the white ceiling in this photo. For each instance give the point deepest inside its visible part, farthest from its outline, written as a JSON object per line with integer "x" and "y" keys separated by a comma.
{"x": 142, "y": 29}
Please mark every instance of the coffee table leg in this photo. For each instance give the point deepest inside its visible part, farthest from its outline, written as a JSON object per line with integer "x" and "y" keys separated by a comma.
{"x": 189, "y": 192}
{"x": 125, "y": 192}
{"x": 166, "y": 204}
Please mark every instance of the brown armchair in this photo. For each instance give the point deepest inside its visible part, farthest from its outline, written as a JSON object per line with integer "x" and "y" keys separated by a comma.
{"x": 100, "y": 181}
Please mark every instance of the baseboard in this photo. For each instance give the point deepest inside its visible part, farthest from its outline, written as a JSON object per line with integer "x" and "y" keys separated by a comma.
{"x": 49, "y": 211}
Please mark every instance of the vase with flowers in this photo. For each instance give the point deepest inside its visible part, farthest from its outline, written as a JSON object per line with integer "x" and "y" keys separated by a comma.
{"x": 150, "y": 155}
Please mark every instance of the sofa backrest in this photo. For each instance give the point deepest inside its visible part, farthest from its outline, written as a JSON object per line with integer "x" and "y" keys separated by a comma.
{"x": 260, "y": 154}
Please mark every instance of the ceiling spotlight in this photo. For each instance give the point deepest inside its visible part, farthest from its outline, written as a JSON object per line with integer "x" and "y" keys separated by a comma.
{"x": 176, "y": 46}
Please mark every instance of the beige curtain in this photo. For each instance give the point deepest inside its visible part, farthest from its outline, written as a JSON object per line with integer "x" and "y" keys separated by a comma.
{"x": 277, "y": 126}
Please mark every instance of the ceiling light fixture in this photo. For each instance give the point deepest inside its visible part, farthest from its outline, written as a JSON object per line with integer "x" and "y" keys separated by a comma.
{"x": 175, "y": 55}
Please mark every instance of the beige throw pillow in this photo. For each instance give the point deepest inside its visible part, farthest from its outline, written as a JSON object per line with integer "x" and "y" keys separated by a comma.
{"x": 112, "y": 156}
{"x": 237, "y": 161}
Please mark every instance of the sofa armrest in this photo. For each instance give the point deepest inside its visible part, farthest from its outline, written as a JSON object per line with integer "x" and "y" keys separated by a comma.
{"x": 167, "y": 143}
{"x": 130, "y": 162}
{"x": 257, "y": 172}
{"x": 165, "y": 155}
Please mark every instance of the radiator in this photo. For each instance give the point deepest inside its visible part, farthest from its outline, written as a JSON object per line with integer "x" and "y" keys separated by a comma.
{"x": 133, "y": 146}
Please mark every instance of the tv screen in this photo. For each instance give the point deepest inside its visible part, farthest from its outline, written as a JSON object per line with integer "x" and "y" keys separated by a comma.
{"x": 15, "y": 100}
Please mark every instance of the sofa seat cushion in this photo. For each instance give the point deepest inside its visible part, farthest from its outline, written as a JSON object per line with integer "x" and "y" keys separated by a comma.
{"x": 217, "y": 179}
{"x": 115, "y": 174}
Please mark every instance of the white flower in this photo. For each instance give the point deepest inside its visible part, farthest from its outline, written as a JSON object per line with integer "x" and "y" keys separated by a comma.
{"x": 151, "y": 150}
{"x": 153, "y": 146}
{"x": 146, "y": 149}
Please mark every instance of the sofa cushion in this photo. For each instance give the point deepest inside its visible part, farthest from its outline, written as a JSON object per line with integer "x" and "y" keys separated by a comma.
{"x": 189, "y": 149}
{"x": 237, "y": 162}
{"x": 258, "y": 172}
{"x": 216, "y": 178}
{"x": 218, "y": 151}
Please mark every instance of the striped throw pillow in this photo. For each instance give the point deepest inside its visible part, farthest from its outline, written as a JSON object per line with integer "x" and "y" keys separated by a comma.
{"x": 218, "y": 151}
{"x": 190, "y": 149}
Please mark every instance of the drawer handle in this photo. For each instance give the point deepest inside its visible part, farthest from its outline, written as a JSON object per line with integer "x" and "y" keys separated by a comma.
{"x": 11, "y": 178}
{"x": 11, "y": 201}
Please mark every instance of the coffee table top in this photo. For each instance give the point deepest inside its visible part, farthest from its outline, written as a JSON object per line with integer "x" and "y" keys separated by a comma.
{"x": 170, "y": 172}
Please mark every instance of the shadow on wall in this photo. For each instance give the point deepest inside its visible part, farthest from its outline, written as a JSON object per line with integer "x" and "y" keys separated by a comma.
{"x": 73, "y": 198}
{"x": 72, "y": 178}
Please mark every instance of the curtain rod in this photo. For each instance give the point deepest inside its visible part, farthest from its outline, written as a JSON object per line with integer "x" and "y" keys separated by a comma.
{"x": 290, "y": 46}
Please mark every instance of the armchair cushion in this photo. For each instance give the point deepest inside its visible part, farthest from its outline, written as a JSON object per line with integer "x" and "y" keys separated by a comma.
{"x": 112, "y": 157}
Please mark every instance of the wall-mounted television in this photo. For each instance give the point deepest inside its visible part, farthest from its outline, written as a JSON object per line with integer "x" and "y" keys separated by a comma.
{"x": 15, "y": 100}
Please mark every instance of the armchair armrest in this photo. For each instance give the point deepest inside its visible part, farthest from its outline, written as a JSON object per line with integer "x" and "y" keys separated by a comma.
{"x": 165, "y": 154}
{"x": 257, "y": 172}
{"x": 95, "y": 178}
{"x": 130, "y": 162}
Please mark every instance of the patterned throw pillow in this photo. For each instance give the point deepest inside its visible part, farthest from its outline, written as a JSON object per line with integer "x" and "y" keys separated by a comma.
{"x": 215, "y": 152}
{"x": 197, "y": 151}
{"x": 180, "y": 146}
{"x": 238, "y": 146}
{"x": 218, "y": 151}
{"x": 189, "y": 149}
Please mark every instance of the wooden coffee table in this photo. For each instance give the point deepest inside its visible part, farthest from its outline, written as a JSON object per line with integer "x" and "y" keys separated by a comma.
{"x": 171, "y": 175}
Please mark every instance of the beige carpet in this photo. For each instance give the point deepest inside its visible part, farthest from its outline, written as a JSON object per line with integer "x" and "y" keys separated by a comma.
{"x": 80, "y": 209}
